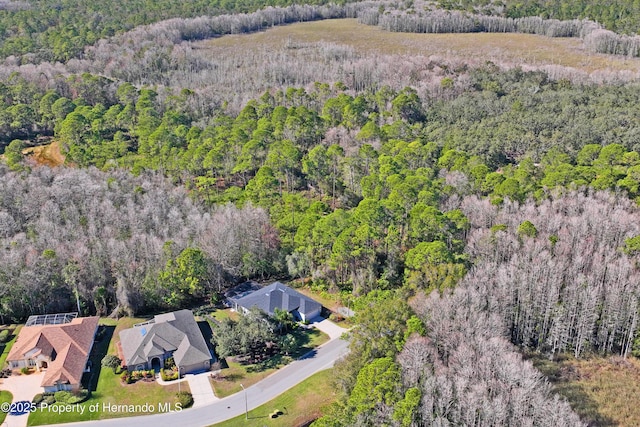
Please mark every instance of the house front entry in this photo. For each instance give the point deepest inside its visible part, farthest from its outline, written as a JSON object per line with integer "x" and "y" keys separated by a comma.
{"x": 155, "y": 364}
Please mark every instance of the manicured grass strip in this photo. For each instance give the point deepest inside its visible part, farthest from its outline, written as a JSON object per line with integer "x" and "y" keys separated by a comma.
{"x": 5, "y": 397}
{"x": 7, "y": 346}
{"x": 227, "y": 313}
{"x": 300, "y": 405}
{"x": 235, "y": 375}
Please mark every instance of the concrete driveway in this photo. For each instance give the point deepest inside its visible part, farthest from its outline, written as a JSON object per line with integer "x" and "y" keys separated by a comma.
{"x": 201, "y": 389}
{"x": 23, "y": 387}
{"x": 328, "y": 327}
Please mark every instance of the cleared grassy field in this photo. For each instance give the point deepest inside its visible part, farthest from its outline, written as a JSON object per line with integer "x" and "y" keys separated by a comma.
{"x": 603, "y": 391}
{"x": 48, "y": 155}
{"x": 499, "y": 47}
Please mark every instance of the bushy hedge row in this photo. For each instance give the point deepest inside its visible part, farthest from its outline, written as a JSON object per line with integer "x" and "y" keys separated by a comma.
{"x": 169, "y": 374}
{"x": 66, "y": 397}
{"x": 133, "y": 376}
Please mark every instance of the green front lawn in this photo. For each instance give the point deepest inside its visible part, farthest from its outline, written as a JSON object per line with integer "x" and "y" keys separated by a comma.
{"x": 108, "y": 390}
{"x": 229, "y": 380}
{"x": 309, "y": 339}
{"x": 299, "y": 405}
{"x": 226, "y": 313}
{"x": 5, "y": 397}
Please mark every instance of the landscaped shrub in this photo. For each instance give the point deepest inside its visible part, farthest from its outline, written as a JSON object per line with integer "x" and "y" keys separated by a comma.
{"x": 111, "y": 361}
{"x": 169, "y": 363}
{"x": 125, "y": 377}
{"x": 24, "y": 370}
{"x": 204, "y": 310}
{"x": 168, "y": 374}
{"x": 49, "y": 399}
{"x": 185, "y": 399}
{"x": 79, "y": 396}
{"x": 63, "y": 396}
{"x": 335, "y": 317}
{"x": 38, "y": 398}
{"x": 4, "y": 335}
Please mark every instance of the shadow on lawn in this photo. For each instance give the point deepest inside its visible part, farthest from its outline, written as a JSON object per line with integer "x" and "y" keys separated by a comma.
{"x": 232, "y": 377}
{"x": 303, "y": 350}
{"x": 99, "y": 350}
{"x": 273, "y": 415}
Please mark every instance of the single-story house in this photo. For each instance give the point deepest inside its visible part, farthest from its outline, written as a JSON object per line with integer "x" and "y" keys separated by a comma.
{"x": 276, "y": 295}
{"x": 62, "y": 349}
{"x": 148, "y": 345}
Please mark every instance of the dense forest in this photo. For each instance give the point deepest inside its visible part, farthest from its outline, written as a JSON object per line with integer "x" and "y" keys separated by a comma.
{"x": 466, "y": 211}
{"x": 422, "y": 19}
{"x": 115, "y": 242}
{"x": 48, "y": 30}
{"x": 618, "y": 15}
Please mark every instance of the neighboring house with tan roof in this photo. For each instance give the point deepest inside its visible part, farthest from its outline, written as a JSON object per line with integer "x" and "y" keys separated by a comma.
{"x": 176, "y": 334}
{"x": 61, "y": 349}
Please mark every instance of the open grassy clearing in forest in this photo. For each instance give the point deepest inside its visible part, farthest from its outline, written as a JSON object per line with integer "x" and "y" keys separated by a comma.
{"x": 603, "y": 391}
{"x": 498, "y": 47}
{"x": 48, "y": 155}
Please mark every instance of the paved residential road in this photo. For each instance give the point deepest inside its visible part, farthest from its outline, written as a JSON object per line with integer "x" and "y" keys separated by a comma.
{"x": 317, "y": 360}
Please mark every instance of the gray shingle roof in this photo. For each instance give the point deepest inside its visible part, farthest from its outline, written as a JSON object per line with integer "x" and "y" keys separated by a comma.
{"x": 279, "y": 296}
{"x": 176, "y": 331}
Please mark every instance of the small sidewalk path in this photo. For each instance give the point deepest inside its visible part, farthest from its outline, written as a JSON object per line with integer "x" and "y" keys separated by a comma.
{"x": 328, "y": 327}
{"x": 23, "y": 387}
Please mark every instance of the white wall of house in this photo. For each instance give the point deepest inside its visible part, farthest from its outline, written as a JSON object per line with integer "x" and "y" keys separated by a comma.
{"x": 17, "y": 364}
{"x": 187, "y": 369}
{"x": 61, "y": 387}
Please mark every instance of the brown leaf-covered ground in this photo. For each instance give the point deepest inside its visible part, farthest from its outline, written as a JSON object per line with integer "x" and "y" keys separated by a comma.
{"x": 602, "y": 390}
